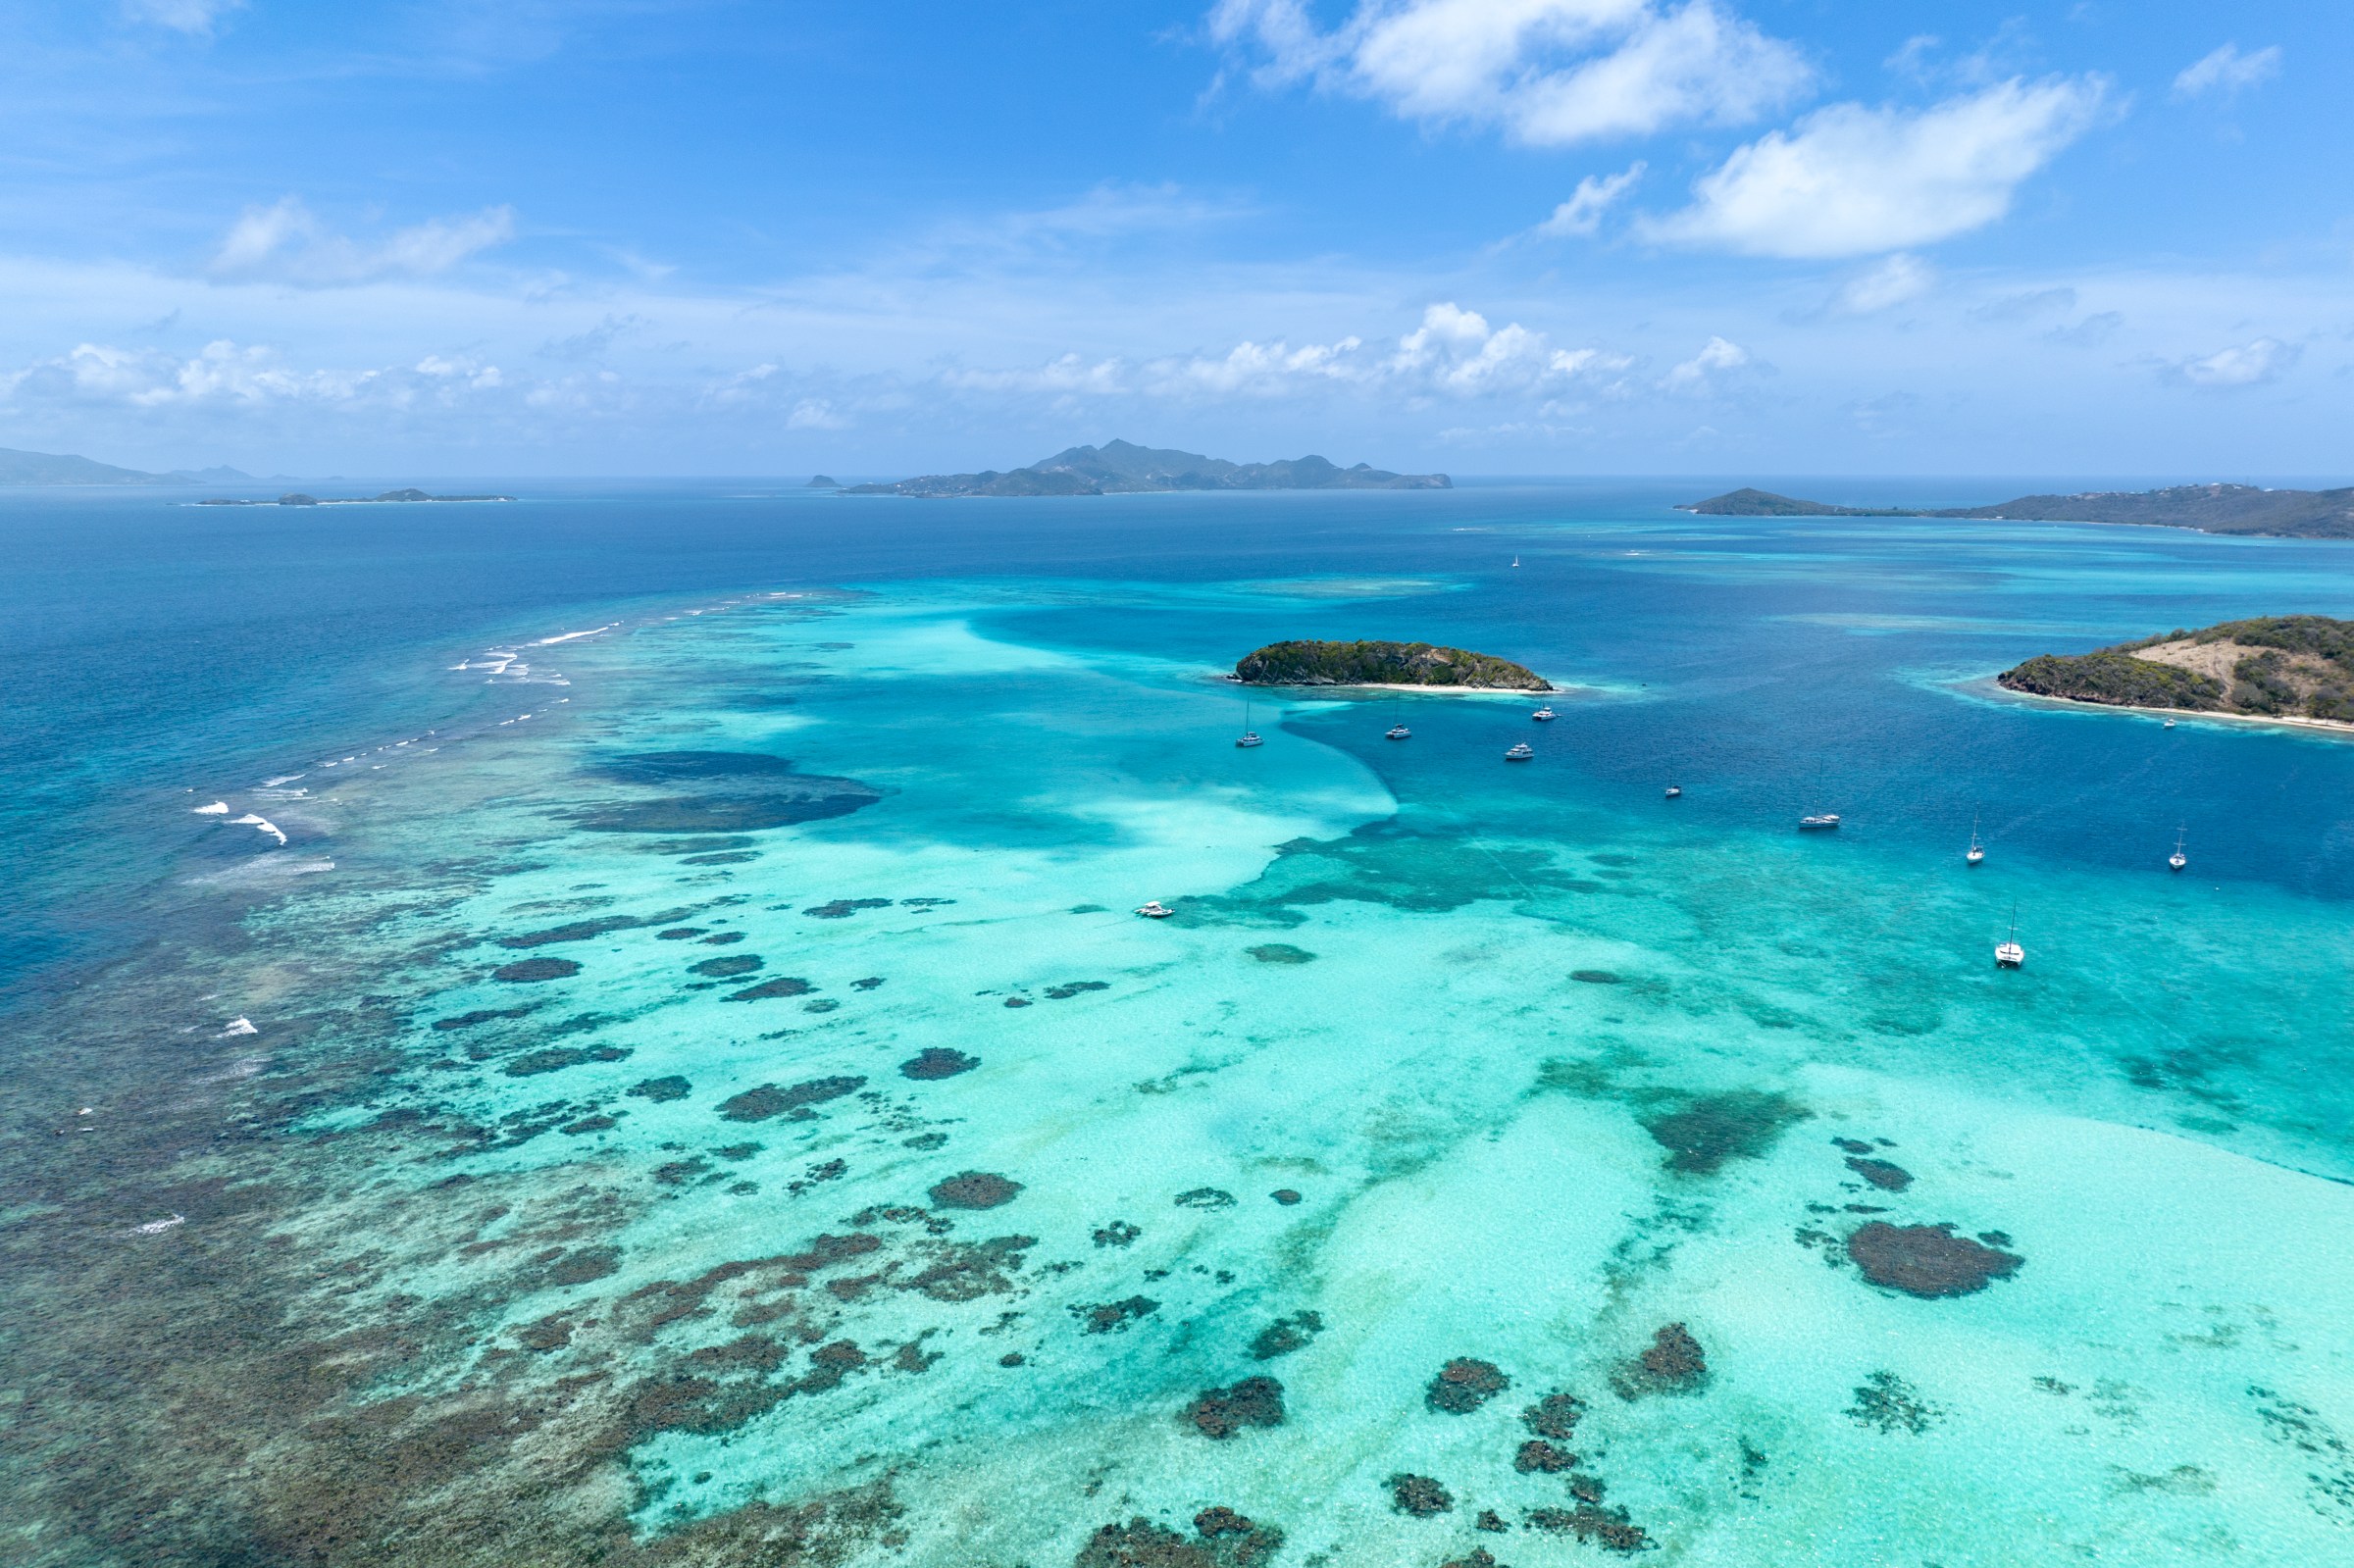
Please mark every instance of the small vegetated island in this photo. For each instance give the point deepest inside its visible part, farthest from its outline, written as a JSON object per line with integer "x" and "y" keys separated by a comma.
{"x": 2210, "y": 508}
{"x": 1122, "y": 468}
{"x": 394, "y": 497}
{"x": 1383, "y": 664}
{"x": 2276, "y": 667}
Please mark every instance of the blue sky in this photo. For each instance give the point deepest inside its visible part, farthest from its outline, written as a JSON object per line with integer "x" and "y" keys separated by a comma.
{"x": 1534, "y": 236}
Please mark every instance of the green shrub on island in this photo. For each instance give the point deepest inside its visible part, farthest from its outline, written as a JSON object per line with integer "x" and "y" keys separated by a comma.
{"x": 1304, "y": 663}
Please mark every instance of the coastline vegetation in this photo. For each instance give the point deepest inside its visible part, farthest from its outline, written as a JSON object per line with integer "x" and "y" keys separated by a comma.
{"x": 2281, "y": 666}
{"x": 1307, "y": 663}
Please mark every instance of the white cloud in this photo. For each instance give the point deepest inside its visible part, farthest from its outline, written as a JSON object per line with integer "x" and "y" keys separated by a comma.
{"x": 1546, "y": 72}
{"x": 1850, "y": 180}
{"x": 816, "y": 413}
{"x": 1703, "y": 370}
{"x": 288, "y": 242}
{"x": 195, "y": 18}
{"x": 2247, "y": 364}
{"x": 2228, "y": 72}
{"x": 1582, "y": 213}
{"x": 1892, "y": 282}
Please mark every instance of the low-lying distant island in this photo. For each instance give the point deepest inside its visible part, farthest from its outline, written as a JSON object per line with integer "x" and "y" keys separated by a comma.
{"x": 2209, "y": 508}
{"x": 1122, "y": 468}
{"x": 2291, "y": 667}
{"x": 298, "y": 498}
{"x": 1383, "y": 664}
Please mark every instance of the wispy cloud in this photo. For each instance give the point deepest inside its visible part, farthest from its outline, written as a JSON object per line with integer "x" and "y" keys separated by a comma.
{"x": 195, "y": 18}
{"x": 2252, "y": 364}
{"x": 1850, "y": 180}
{"x": 286, "y": 242}
{"x": 1893, "y": 281}
{"x": 2228, "y": 73}
{"x": 1546, "y": 73}
{"x": 1707, "y": 371}
{"x": 1582, "y": 213}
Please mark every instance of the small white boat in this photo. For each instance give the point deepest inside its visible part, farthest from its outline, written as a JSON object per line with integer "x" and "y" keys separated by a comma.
{"x": 1520, "y": 752}
{"x": 1542, "y": 715}
{"x": 1675, "y": 791}
{"x": 2008, "y": 955}
{"x": 2177, "y": 860}
{"x": 2170, "y": 724}
{"x": 1154, "y": 909}
{"x": 1249, "y": 736}
{"x": 1516, "y": 563}
{"x": 1396, "y": 731}
{"x": 1975, "y": 853}
{"x": 1827, "y": 819}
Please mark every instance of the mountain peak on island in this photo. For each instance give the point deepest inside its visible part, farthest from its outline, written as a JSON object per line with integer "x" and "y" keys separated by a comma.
{"x": 1124, "y": 468}
{"x": 52, "y": 467}
{"x": 2210, "y": 508}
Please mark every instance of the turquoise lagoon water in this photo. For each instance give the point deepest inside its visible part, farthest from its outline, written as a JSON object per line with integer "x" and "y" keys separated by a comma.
{"x": 522, "y": 1161}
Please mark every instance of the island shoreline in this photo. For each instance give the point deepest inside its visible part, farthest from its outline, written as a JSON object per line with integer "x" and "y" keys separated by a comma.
{"x": 1992, "y": 686}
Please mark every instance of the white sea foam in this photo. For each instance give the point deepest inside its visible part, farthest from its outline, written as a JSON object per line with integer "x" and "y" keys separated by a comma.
{"x": 282, "y": 779}
{"x": 570, "y": 635}
{"x": 241, "y": 1025}
{"x": 260, "y": 824}
{"x": 159, "y": 1227}
{"x": 219, "y": 808}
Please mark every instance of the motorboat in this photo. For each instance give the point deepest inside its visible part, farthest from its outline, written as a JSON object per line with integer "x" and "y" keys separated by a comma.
{"x": 1520, "y": 752}
{"x": 1396, "y": 731}
{"x": 1154, "y": 909}
{"x": 1675, "y": 791}
{"x": 1544, "y": 715}
{"x": 1827, "y": 819}
{"x": 2170, "y": 724}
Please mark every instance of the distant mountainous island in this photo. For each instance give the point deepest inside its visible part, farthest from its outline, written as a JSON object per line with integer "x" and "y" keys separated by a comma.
{"x": 2209, "y": 508}
{"x": 297, "y": 498}
{"x": 1382, "y": 664}
{"x": 2275, "y": 666}
{"x": 50, "y": 468}
{"x": 1118, "y": 468}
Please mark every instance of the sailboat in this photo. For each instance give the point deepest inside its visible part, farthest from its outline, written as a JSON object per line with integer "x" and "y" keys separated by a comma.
{"x": 2008, "y": 955}
{"x": 1249, "y": 736}
{"x": 1516, "y": 563}
{"x": 2177, "y": 860}
{"x": 1675, "y": 791}
{"x": 1398, "y": 730}
{"x": 1976, "y": 851}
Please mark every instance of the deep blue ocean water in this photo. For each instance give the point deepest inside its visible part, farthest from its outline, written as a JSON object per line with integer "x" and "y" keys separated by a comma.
{"x": 1554, "y": 1061}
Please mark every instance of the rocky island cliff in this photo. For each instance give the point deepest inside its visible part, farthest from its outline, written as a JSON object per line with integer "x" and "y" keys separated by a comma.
{"x": 2209, "y": 508}
{"x": 1119, "y": 467}
{"x": 1382, "y": 664}
{"x": 2276, "y": 667}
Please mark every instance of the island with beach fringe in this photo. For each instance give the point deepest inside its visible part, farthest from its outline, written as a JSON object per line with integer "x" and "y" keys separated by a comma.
{"x": 2289, "y": 668}
{"x": 1303, "y": 663}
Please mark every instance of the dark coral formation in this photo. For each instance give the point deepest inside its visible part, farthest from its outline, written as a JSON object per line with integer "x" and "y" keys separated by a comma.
{"x": 1537, "y": 1456}
{"x": 729, "y": 967}
{"x": 974, "y": 1189}
{"x": 1419, "y": 1495}
{"x": 1222, "y": 1412}
{"x": 1886, "y": 1402}
{"x": 781, "y": 985}
{"x": 767, "y": 1100}
{"x": 481, "y": 1015}
{"x": 1606, "y": 1527}
{"x": 1480, "y": 1556}
{"x": 1286, "y": 1335}
{"x": 1112, "y": 1317}
{"x": 1594, "y": 977}
{"x": 844, "y": 908}
{"x": 1672, "y": 1364}
{"x": 1222, "y": 1538}
{"x": 1285, "y": 1195}
{"x": 1463, "y": 1385}
{"x": 1205, "y": 1197}
{"x": 528, "y": 970}
{"x": 1120, "y": 1233}
{"x": 1555, "y": 1416}
{"x": 1888, "y": 1176}
{"x": 938, "y": 1062}
{"x": 1927, "y": 1260}
{"x": 1280, "y": 953}
{"x": 658, "y": 1089}
{"x": 1070, "y": 988}
{"x": 1706, "y": 1131}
